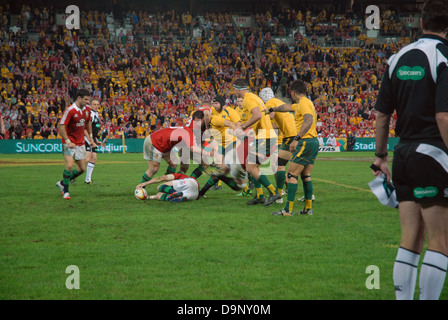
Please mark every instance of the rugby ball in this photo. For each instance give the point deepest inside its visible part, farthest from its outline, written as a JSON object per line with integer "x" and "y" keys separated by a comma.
{"x": 141, "y": 194}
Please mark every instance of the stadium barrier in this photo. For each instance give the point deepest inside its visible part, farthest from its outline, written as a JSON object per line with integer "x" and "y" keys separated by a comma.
{"x": 136, "y": 145}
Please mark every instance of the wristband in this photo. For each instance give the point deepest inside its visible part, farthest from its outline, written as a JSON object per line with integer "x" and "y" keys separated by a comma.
{"x": 380, "y": 155}
{"x": 297, "y": 138}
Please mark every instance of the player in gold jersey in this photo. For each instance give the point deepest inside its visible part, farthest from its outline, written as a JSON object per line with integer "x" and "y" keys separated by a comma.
{"x": 284, "y": 122}
{"x": 264, "y": 144}
{"x": 304, "y": 147}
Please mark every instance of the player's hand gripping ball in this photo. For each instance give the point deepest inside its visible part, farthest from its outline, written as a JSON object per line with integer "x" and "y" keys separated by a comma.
{"x": 141, "y": 194}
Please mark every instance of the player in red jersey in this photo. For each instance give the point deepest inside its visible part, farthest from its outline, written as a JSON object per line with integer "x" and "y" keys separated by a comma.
{"x": 176, "y": 188}
{"x": 74, "y": 121}
{"x": 159, "y": 145}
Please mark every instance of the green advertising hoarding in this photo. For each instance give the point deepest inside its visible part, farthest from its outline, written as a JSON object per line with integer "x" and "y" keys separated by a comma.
{"x": 136, "y": 145}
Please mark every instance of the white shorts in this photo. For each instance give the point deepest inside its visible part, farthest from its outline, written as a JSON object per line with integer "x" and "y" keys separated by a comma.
{"x": 188, "y": 186}
{"x": 150, "y": 152}
{"x": 78, "y": 153}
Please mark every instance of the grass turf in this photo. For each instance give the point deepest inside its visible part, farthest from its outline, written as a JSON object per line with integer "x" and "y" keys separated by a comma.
{"x": 214, "y": 248}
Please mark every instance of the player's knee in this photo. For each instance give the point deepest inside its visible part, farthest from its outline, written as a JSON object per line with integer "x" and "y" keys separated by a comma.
{"x": 306, "y": 177}
{"x": 292, "y": 178}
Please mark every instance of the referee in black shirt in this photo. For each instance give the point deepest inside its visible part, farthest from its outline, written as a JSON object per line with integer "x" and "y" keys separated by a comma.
{"x": 415, "y": 85}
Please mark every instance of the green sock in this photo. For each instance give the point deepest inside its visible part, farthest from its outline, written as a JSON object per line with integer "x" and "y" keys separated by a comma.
{"x": 267, "y": 184}
{"x": 230, "y": 182}
{"x": 308, "y": 189}
{"x": 281, "y": 178}
{"x": 292, "y": 189}
{"x": 198, "y": 172}
{"x": 166, "y": 189}
{"x": 256, "y": 183}
{"x": 75, "y": 174}
{"x": 145, "y": 178}
{"x": 66, "y": 176}
{"x": 170, "y": 170}
{"x": 164, "y": 197}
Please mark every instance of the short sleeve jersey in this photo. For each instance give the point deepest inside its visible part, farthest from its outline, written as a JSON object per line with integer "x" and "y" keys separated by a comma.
{"x": 263, "y": 127}
{"x": 75, "y": 120}
{"x": 305, "y": 106}
{"x": 166, "y": 139}
{"x": 284, "y": 120}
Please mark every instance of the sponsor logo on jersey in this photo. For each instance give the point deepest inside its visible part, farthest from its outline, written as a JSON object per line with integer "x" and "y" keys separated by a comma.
{"x": 410, "y": 73}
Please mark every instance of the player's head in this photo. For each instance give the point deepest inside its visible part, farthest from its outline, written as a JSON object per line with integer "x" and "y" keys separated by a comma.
{"x": 435, "y": 16}
{"x": 94, "y": 104}
{"x": 198, "y": 120}
{"x": 239, "y": 102}
{"x": 241, "y": 87}
{"x": 266, "y": 94}
{"x": 218, "y": 103}
{"x": 298, "y": 89}
{"x": 82, "y": 97}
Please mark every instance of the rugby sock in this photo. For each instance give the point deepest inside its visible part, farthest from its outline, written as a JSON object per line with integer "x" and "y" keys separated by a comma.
{"x": 432, "y": 275}
{"x": 219, "y": 183}
{"x": 197, "y": 172}
{"x": 164, "y": 197}
{"x": 66, "y": 176}
{"x": 308, "y": 190}
{"x": 75, "y": 174}
{"x": 259, "y": 192}
{"x": 230, "y": 182}
{"x": 281, "y": 178}
{"x": 246, "y": 189}
{"x": 210, "y": 183}
{"x": 265, "y": 182}
{"x": 145, "y": 178}
{"x": 89, "y": 171}
{"x": 170, "y": 170}
{"x": 166, "y": 188}
{"x": 292, "y": 189}
{"x": 405, "y": 274}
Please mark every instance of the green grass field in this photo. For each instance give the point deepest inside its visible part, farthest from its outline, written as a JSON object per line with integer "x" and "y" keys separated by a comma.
{"x": 215, "y": 248}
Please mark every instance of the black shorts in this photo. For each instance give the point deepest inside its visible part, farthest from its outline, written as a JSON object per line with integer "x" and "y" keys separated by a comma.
{"x": 420, "y": 171}
{"x": 88, "y": 147}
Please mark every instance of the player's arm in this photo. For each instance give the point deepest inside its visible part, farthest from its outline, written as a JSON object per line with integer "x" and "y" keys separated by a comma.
{"x": 64, "y": 135}
{"x": 306, "y": 126}
{"x": 166, "y": 177}
{"x": 381, "y": 138}
{"x": 256, "y": 116}
{"x": 2, "y": 124}
{"x": 282, "y": 108}
{"x": 88, "y": 131}
{"x": 442, "y": 122}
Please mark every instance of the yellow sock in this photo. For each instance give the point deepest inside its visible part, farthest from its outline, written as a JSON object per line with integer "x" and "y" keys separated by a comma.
{"x": 272, "y": 189}
{"x": 280, "y": 191}
{"x": 308, "y": 204}
{"x": 290, "y": 206}
{"x": 259, "y": 192}
{"x": 246, "y": 189}
{"x": 219, "y": 183}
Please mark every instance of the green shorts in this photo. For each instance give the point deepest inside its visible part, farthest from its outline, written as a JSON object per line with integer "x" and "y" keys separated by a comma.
{"x": 285, "y": 143}
{"x": 306, "y": 151}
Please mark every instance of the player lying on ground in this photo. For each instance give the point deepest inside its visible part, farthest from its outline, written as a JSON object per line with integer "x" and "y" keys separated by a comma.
{"x": 176, "y": 188}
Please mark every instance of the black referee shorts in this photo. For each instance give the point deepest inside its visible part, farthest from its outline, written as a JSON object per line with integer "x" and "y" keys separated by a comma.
{"x": 89, "y": 147}
{"x": 420, "y": 171}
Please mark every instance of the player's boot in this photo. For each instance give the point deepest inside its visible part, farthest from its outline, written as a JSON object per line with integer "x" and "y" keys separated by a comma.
{"x": 60, "y": 186}
{"x": 174, "y": 195}
{"x": 66, "y": 196}
{"x": 272, "y": 199}
{"x": 255, "y": 201}
{"x": 282, "y": 213}
{"x": 303, "y": 198}
{"x": 179, "y": 199}
{"x": 308, "y": 212}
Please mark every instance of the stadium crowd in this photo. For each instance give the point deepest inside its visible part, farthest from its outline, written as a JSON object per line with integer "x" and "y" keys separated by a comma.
{"x": 146, "y": 79}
